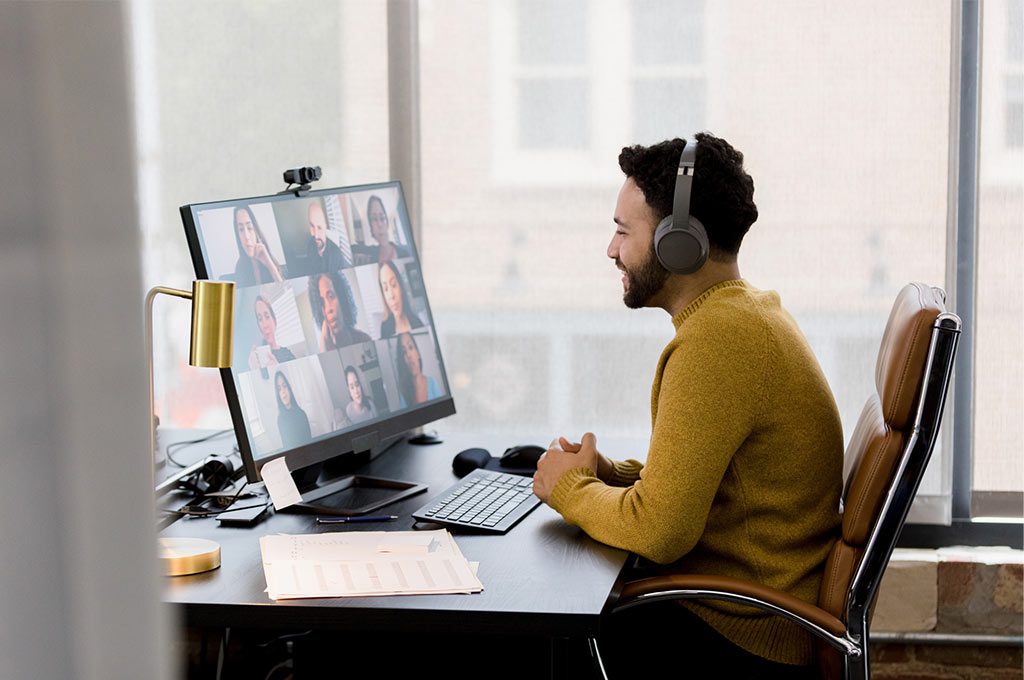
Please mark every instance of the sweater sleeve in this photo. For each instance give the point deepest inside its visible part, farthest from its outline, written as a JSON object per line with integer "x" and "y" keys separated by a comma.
{"x": 625, "y": 472}
{"x": 710, "y": 391}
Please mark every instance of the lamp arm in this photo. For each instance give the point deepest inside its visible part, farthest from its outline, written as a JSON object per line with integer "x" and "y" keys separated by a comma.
{"x": 150, "y": 296}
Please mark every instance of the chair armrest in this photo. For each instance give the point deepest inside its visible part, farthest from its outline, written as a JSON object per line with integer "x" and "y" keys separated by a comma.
{"x": 700, "y": 586}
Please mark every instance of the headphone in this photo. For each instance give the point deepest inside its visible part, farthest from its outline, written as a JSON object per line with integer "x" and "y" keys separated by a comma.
{"x": 215, "y": 475}
{"x": 680, "y": 240}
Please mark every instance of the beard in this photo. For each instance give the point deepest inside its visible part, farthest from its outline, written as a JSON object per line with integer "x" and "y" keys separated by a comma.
{"x": 645, "y": 281}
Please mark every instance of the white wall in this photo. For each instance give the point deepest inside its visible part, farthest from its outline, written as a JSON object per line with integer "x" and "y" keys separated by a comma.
{"x": 79, "y": 590}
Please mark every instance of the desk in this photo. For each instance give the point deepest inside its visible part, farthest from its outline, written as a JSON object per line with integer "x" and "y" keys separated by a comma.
{"x": 544, "y": 577}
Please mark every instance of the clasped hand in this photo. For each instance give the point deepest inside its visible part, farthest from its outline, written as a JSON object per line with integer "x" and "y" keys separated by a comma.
{"x": 561, "y": 456}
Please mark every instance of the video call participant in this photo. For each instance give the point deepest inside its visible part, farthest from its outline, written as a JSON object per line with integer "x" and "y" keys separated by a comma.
{"x": 335, "y": 310}
{"x": 413, "y": 386}
{"x": 380, "y": 228}
{"x": 322, "y": 253}
{"x": 361, "y": 407}
{"x": 292, "y": 422}
{"x": 744, "y": 468}
{"x": 266, "y": 320}
{"x": 255, "y": 263}
{"x": 400, "y": 318}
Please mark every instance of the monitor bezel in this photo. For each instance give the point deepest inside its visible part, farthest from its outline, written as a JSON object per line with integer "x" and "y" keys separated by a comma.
{"x": 331, "y": 445}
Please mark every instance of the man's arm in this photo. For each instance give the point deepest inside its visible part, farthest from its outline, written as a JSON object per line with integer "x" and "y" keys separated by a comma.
{"x": 709, "y": 395}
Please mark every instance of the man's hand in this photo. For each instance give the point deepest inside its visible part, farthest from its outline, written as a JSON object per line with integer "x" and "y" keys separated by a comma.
{"x": 605, "y": 467}
{"x": 557, "y": 460}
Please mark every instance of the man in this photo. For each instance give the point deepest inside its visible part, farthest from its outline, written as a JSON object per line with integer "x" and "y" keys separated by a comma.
{"x": 323, "y": 254}
{"x": 744, "y": 470}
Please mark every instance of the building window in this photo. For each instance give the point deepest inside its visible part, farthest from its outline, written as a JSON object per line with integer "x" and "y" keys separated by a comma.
{"x": 669, "y": 88}
{"x": 551, "y": 77}
{"x": 577, "y": 78}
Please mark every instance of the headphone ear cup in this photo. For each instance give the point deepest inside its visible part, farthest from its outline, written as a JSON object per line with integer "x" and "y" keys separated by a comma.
{"x": 700, "y": 234}
{"x": 215, "y": 474}
{"x": 664, "y": 227}
{"x": 681, "y": 250}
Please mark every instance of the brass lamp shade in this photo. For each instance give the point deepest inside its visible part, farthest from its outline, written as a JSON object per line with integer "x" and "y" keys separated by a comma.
{"x": 213, "y": 304}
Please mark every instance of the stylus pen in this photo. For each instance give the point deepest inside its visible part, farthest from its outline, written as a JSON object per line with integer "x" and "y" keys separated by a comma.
{"x": 357, "y": 518}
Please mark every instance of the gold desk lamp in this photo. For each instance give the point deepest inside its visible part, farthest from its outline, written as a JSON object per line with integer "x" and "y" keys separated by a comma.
{"x": 213, "y": 304}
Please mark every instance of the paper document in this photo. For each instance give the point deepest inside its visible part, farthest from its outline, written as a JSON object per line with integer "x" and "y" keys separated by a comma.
{"x": 364, "y": 563}
{"x": 280, "y": 484}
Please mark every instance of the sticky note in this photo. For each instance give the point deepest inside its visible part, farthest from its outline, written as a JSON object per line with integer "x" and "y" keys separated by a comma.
{"x": 280, "y": 484}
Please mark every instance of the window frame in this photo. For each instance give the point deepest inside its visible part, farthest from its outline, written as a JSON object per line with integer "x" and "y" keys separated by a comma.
{"x": 964, "y": 529}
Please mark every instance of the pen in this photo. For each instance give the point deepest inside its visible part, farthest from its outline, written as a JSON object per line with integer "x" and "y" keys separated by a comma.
{"x": 357, "y": 518}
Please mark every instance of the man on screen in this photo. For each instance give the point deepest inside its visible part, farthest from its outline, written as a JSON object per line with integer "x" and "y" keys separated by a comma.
{"x": 323, "y": 255}
{"x": 744, "y": 469}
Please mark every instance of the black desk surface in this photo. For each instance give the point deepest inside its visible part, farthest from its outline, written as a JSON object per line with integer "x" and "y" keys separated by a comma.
{"x": 544, "y": 577}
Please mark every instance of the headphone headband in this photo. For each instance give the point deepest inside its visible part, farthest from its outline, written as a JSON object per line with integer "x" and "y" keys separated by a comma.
{"x": 684, "y": 183}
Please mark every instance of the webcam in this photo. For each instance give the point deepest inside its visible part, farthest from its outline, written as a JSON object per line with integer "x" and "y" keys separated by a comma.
{"x": 302, "y": 175}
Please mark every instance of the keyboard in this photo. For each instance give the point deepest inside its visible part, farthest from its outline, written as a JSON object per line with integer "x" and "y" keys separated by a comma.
{"x": 483, "y": 500}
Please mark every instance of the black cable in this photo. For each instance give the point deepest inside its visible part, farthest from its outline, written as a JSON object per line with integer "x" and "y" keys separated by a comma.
{"x": 213, "y": 513}
{"x": 228, "y": 508}
{"x": 185, "y": 444}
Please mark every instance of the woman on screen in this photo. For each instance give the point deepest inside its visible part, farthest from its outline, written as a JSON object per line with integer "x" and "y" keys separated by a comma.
{"x": 413, "y": 386}
{"x": 361, "y": 407}
{"x": 335, "y": 310}
{"x": 380, "y": 228}
{"x": 255, "y": 263}
{"x": 266, "y": 320}
{"x": 400, "y": 318}
{"x": 292, "y": 422}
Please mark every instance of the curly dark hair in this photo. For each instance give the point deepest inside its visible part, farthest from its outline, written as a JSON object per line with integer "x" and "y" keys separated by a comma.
{"x": 723, "y": 193}
{"x": 346, "y": 300}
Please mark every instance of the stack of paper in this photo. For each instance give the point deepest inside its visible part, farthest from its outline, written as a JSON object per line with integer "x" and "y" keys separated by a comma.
{"x": 362, "y": 563}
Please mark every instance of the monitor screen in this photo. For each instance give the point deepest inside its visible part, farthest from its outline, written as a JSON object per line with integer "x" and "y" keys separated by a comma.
{"x": 334, "y": 344}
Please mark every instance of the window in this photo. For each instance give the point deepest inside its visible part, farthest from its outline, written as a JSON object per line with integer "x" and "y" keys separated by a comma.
{"x": 998, "y": 466}
{"x": 569, "y": 83}
{"x": 524, "y": 106}
{"x": 229, "y": 95}
{"x": 551, "y": 81}
{"x": 847, "y": 141}
{"x": 668, "y": 77}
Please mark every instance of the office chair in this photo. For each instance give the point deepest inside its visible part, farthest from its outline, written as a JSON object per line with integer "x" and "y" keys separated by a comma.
{"x": 885, "y": 461}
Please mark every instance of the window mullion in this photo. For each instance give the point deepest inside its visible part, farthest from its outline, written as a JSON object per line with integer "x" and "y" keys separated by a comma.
{"x": 965, "y": 252}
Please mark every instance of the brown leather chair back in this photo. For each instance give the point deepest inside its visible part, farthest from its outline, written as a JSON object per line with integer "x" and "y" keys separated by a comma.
{"x": 879, "y": 439}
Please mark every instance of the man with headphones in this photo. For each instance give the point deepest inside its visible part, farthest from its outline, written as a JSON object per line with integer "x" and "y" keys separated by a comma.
{"x": 744, "y": 470}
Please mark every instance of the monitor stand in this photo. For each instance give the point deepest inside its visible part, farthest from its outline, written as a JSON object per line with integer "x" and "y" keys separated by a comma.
{"x": 331, "y": 488}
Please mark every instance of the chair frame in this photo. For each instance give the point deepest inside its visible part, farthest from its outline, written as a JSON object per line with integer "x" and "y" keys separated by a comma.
{"x": 851, "y": 637}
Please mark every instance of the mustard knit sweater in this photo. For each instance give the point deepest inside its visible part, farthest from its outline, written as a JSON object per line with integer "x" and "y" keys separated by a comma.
{"x": 744, "y": 470}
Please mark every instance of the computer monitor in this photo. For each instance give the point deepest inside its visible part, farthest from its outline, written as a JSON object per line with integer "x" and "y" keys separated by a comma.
{"x": 335, "y": 350}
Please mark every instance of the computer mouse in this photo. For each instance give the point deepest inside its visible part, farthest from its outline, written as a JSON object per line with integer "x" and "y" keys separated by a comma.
{"x": 523, "y": 456}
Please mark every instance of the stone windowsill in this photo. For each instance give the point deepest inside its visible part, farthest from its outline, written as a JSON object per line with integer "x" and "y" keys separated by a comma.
{"x": 952, "y": 590}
